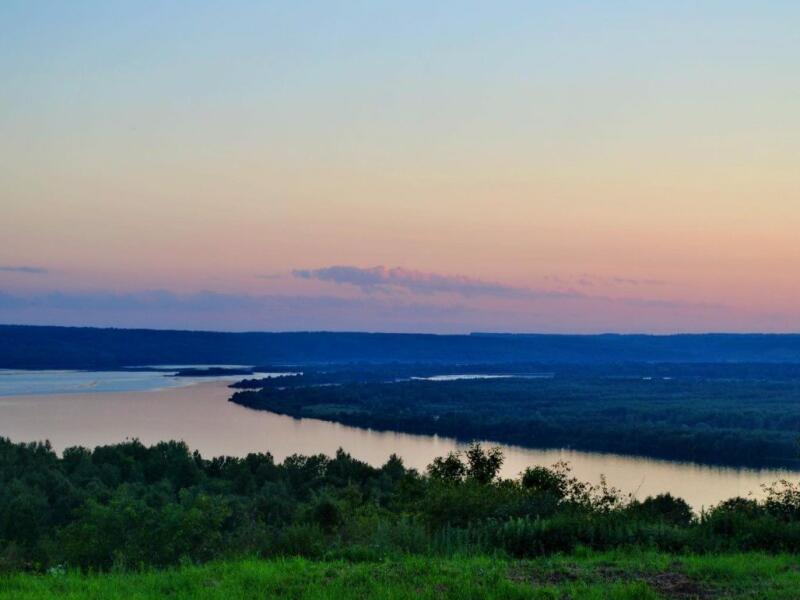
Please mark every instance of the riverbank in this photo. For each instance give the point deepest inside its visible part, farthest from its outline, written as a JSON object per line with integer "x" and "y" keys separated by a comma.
{"x": 589, "y": 576}
{"x": 201, "y": 415}
{"x": 744, "y": 422}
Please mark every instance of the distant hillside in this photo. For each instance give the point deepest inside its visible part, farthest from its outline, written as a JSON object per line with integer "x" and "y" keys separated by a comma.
{"x": 83, "y": 347}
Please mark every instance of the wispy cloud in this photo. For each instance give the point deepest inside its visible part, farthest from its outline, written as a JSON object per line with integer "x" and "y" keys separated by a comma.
{"x": 23, "y": 269}
{"x": 587, "y": 280}
{"x": 576, "y": 289}
{"x": 386, "y": 280}
{"x": 144, "y": 300}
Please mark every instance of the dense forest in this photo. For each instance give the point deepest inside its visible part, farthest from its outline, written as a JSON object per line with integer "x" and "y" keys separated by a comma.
{"x": 715, "y": 414}
{"x": 127, "y": 506}
{"x": 85, "y": 347}
{"x": 366, "y": 372}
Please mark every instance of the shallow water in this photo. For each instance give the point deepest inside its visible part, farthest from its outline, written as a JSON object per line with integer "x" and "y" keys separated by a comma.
{"x": 201, "y": 415}
{"x": 14, "y": 382}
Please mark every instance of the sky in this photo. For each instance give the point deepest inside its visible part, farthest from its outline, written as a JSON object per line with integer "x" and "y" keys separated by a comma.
{"x": 446, "y": 167}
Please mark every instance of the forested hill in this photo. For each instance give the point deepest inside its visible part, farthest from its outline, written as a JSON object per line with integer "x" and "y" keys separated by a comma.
{"x": 77, "y": 347}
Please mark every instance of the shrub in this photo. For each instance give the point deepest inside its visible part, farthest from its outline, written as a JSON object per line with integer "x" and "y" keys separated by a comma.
{"x": 664, "y": 508}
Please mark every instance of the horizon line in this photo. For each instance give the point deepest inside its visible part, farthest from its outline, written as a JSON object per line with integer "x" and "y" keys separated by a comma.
{"x": 415, "y": 333}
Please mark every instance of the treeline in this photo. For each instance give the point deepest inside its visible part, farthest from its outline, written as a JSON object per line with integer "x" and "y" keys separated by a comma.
{"x": 86, "y": 347}
{"x": 364, "y": 372}
{"x": 740, "y": 422}
{"x": 128, "y": 506}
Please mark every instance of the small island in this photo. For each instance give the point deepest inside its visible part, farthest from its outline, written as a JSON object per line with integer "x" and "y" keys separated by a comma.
{"x": 213, "y": 371}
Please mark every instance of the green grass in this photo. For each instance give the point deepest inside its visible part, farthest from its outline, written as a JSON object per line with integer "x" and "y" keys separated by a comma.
{"x": 586, "y": 576}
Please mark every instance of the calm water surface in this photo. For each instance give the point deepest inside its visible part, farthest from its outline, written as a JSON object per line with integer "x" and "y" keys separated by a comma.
{"x": 201, "y": 415}
{"x": 14, "y": 382}
{"x": 484, "y": 376}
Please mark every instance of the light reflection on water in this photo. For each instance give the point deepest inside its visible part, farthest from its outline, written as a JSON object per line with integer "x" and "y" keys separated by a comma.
{"x": 201, "y": 415}
{"x": 485, "y": 376}
{"x": 15, "y": 381}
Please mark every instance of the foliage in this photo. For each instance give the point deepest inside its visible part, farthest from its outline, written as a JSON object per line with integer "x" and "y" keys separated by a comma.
{"x": 742, "y": 420}
{"x": 481, "y": 466}
{"x": 129, "y": 506}
{"x": 37, "y": 347}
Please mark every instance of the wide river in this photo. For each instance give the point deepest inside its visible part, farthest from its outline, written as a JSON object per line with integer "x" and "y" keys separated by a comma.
{"x": 71, "y": 409}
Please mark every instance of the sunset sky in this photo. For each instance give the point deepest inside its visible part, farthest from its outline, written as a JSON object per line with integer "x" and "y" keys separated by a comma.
{"x": 404, "y": 166}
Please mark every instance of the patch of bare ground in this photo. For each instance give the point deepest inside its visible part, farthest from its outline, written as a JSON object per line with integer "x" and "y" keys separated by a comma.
{"x": 522, "y": 573}
{"x": 671, "y": 583}
{"x": 678, "y": 586}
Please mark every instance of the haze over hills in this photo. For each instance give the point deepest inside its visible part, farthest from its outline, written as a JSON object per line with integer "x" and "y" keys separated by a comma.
{"x": 82, "y": 347}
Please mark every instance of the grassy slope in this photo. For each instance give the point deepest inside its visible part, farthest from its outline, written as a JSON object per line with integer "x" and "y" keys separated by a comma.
{"x": 595, "y": 576}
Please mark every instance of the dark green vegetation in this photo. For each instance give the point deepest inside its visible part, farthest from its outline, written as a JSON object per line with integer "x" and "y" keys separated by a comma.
{"x": 213, "y": 372}
{"x": 609, "y": 576}
{"x": 306, "y": 375}
{"x": 85, "y": 348}
{"x": 129, "y": 506}
{"x": 745, "y": 421}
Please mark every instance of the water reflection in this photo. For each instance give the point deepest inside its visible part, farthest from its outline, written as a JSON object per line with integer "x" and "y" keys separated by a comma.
{"x": 14, "y": 382}
{"x": 202, "y": 416}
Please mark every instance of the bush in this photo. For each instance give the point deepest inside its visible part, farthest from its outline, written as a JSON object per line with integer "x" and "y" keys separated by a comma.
{"x": 326, "y": 514}
{"x": 129, "y": 506}
{"x": 524, "y": 537}
{"x": 300, "y": 539}
{"x": 664, "y": 508}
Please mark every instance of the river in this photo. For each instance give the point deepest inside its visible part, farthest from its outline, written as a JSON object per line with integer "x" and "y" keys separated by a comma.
{"x": 199, "y": 413}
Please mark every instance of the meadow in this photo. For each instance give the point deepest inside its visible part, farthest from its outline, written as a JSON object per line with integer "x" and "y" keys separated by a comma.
{"x": 582, "y": 576}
